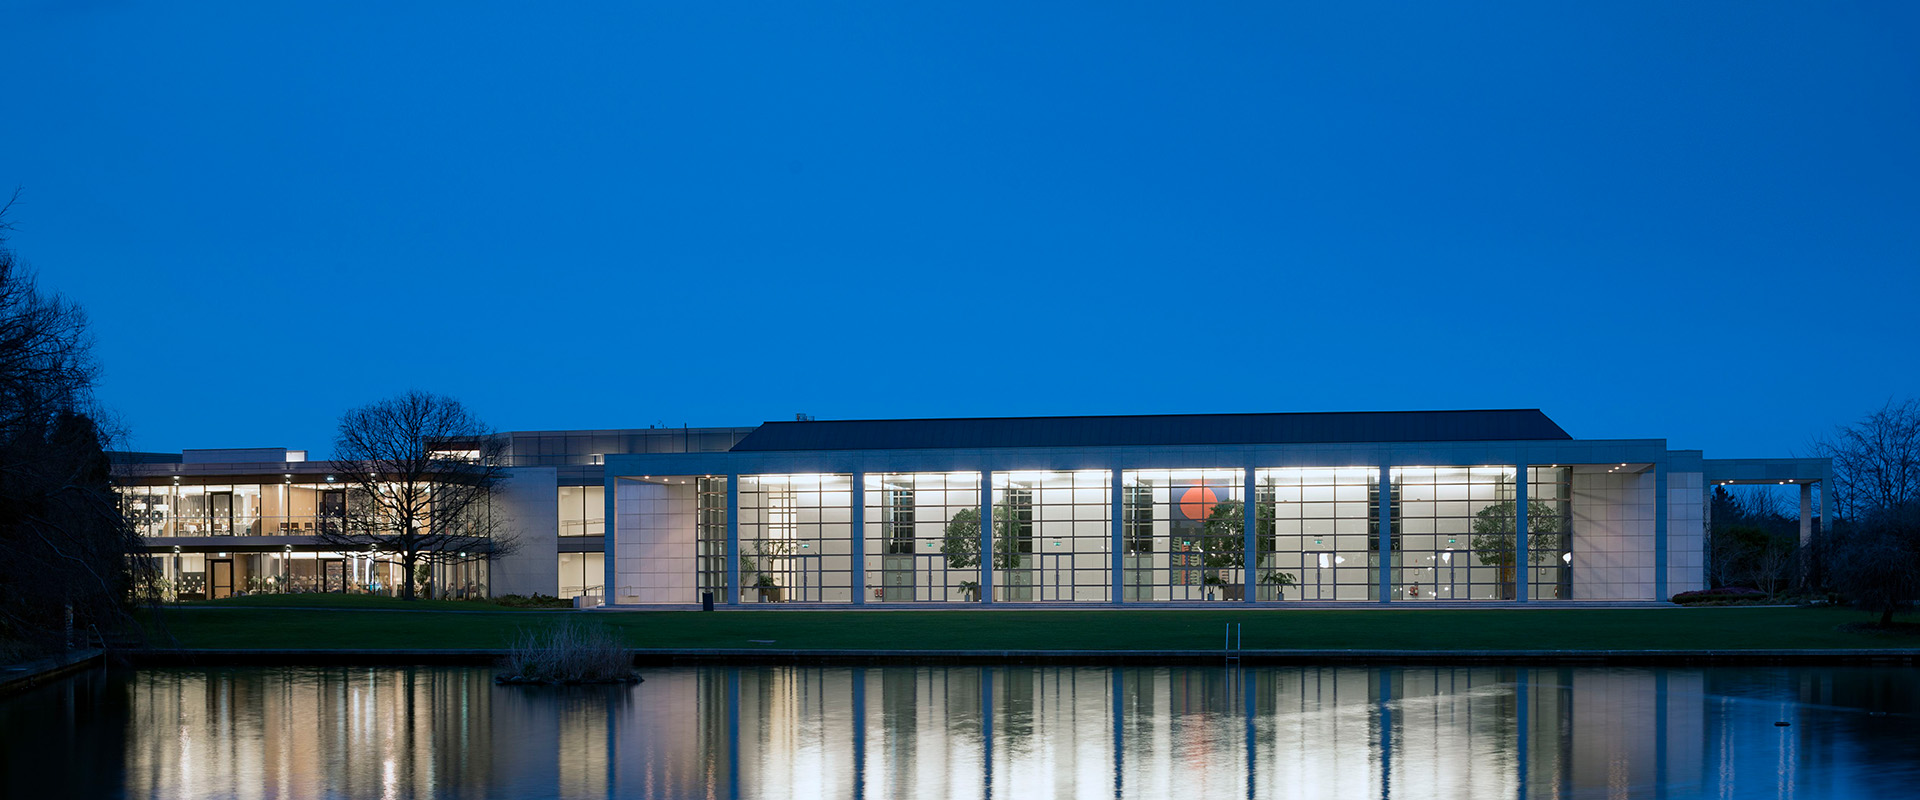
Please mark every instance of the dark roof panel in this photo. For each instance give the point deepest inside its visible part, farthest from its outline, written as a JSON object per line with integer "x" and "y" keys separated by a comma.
{"x": 1155, "y": 430}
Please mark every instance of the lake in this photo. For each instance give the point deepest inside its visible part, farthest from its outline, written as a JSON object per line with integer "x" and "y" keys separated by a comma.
{"x": 971, "y": 732}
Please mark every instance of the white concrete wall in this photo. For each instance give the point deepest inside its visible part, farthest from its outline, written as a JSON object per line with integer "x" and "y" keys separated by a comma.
{"x": 1612, "y": 535}
{"x": 653, "y": 544}
{"x": 528, "y": 506}
{"x": 1686, "y": 532}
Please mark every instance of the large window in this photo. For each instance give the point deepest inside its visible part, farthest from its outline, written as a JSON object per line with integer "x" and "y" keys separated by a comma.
{"x": 583, "y": 510}
{"x": 1184, "y": 533}
{"x": 795, "y": 538}
{"x": 1322, "y": 545}
{"x": 1457, "y": 540}
{"x": 710, "y": 536}
{"x": 922, "y": 536}
{"x": 1550, "y": 533}
{"x": 582, "y": 574}
{"x": 1051, "y": 536}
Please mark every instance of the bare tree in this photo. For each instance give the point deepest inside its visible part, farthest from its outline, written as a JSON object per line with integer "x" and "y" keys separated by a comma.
{"x": 67, "y": 546}
{"x": 1876, "y": 461}
{"x": 421, "y": 472}
{"x": 1878, "y": 561}
{"x": 1771, "y": 566}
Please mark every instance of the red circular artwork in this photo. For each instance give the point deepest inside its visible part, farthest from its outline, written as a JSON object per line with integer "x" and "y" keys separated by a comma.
{"x": 1197, "y": 502}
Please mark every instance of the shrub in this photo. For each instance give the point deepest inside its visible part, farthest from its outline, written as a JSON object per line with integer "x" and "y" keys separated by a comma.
{"x": 567, "y": 653}
{"x": 535, "y": 600}
{"x": 1720, "y": 595}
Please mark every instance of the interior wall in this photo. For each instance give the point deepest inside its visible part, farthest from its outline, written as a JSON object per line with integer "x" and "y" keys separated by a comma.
{"x": 1612, "y": 535}
{"x": 1686, "y": 532}
{"x": 653, "y": 543}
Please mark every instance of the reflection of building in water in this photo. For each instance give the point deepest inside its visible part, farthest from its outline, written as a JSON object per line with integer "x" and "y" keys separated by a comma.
{"x": 967, "y": 732}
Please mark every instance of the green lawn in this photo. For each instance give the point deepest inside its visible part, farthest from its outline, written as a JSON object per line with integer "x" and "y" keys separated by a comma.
{"x": 368, "y": 625}
{"x": 338, "y": 600}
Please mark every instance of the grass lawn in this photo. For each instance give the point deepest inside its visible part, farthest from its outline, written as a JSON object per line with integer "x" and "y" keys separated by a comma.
{"x": 338, "y": 600}
{"x": 367, "y": 623}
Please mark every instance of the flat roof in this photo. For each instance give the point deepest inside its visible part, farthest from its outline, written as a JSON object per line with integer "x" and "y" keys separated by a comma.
{"x": 1497, "y": 425}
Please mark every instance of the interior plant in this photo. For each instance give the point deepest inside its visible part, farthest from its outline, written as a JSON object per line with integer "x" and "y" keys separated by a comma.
{"x": 962, "y": 541}
{"x": 1223, "y": 543}
{"x": 1277, "y": 581}
{"x": 1494, "y": 537}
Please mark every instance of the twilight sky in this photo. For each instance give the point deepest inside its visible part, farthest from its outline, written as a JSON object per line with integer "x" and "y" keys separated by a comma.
{"x": 1698, "y": 221}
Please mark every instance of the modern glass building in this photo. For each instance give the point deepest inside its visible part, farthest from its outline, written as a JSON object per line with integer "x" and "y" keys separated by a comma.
{"x": 1461, "y": 506}
{"x": 1478, "y": 506}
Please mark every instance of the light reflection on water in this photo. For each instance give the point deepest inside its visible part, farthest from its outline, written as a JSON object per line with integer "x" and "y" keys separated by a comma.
{"x": 969, "y": 732}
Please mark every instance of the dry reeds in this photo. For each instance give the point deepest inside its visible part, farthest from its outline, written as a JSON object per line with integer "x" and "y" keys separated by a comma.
{"x": 567, "y": 653}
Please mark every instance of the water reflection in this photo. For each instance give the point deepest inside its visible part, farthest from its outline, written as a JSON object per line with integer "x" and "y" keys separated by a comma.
{"x": 966, "y": 732}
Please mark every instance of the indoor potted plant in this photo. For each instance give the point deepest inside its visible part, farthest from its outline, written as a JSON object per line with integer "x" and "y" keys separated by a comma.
{"x": 769, "y": 591}
{"x": 1273, "y": 584}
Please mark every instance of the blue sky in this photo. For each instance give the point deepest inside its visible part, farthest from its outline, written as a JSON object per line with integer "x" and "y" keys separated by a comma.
{"x": 1698, "y": 221}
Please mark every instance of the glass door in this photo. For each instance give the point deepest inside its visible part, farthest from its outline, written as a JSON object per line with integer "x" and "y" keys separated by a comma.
{"x": 220, "y": 513}
{"x": 333, "y": 575}
{"x": 220, "y": 578}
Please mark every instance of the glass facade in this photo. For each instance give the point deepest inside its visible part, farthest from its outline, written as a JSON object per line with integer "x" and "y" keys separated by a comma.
{"x": 243, "y": 511}
{"x": 1051, "y": 536}
{"x": 582, "y": 574}
{"x": 1550, "y": 533}
{"x": 1325, "y": 539}
{"x": 1458, "y": 538}
{"x": 217, "y": 575}
{"x": 1183, "y": 534}
{"x": 796, "y": 538}
{"x": 710, "y": 536}
{"x": 583, "y": 511}
{"x": 1458, "y": 533}
{"x": 922, "y": 537}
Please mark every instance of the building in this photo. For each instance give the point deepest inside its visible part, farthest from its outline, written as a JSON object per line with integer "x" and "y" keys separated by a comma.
{"x": 1126, "y": 509}
{"x": 225, "y": 522}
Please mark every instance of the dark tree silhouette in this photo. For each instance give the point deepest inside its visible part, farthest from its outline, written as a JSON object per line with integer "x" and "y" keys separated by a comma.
{"x": 66, "y": 545}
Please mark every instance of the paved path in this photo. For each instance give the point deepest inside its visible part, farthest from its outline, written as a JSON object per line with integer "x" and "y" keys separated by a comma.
{"x": 20, "y": 677}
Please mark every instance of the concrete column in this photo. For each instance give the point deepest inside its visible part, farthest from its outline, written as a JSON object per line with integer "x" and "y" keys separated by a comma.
{"x": 609, "y": 546}
{"x": 857, "y": 529}
{"x": 733, "y": 539}
{"x": 1522, "y": 559}
{"x": 1385, "y": 495}
{"x": 1116, "y": 581}
{"x": 1806, "y": 514}
{"x": 1659, "y": 530}
{"x": 1249, "y": 549}
{"x": 986, "y": 537}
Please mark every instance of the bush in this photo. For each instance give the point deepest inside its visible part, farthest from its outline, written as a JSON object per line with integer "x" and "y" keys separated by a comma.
{"x": 567, "y": 653}
{"x": 534, "y": 601}
{"x": 1724, "y": 594}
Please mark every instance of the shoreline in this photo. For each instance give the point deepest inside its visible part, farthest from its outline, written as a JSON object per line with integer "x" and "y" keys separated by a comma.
{"x": 834, "y": 657}
{"x": 15, "y": 678}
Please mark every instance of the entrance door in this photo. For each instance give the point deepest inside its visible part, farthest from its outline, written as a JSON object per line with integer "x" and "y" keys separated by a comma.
{"x": 333, "y": 509}
{"x": 1316, "y": 578}
{"x": 220, "y": 582}
{"x": 333, "y": 575}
